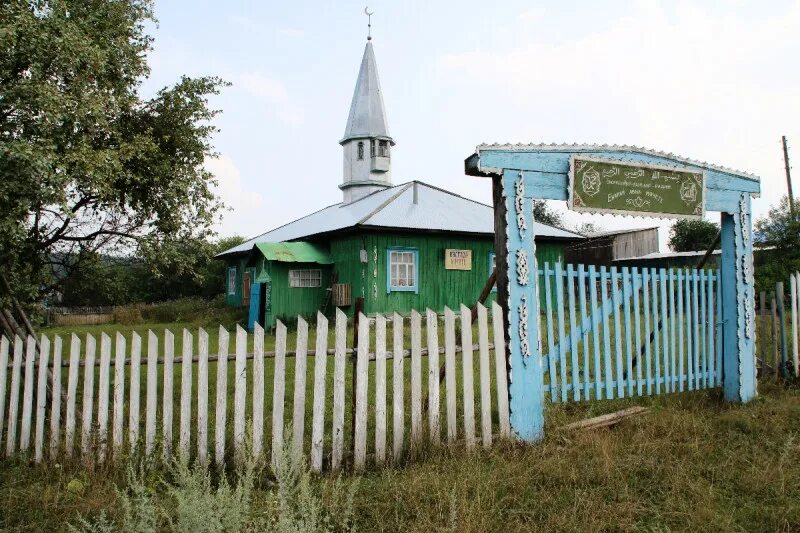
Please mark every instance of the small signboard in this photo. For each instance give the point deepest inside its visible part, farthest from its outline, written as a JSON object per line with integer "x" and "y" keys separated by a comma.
{"x": 631, "y": 188}
{"x": 457, "y": 259}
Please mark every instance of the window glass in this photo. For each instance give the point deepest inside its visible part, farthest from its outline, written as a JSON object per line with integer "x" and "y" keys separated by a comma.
{"x": 232, "y": 280}
{"x": 402, "y": 269}
{"x": 361, "y": 150}
{"x": 305, "y": 278}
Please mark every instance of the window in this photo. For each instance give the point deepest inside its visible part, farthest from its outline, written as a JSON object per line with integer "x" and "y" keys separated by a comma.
{"x": 232, "y": 280}
{"x": 402, "y": 271}
{"x": 383, "y": 148}
{"x": 372, "y": 148}
{"x": 360, "y": 150}
{"x": 305, "y": 278}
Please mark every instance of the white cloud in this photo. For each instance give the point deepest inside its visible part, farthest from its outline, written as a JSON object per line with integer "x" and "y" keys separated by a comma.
{"x": 242, "y": 207}
{"x": 292, "y": 33}
{"x": 675, "y": 77}
{"x": 274, "y": 93}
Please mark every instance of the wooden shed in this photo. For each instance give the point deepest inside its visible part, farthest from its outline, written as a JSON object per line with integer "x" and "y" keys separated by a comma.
{"x": 603, "y": 248}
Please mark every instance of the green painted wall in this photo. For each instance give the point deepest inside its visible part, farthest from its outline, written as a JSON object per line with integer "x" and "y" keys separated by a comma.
{"x": 238, "y": 262}
{"x": 289, "y": 302}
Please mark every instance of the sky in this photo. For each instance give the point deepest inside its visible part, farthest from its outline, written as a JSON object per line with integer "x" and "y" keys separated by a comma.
{"x": 710, "y": 80}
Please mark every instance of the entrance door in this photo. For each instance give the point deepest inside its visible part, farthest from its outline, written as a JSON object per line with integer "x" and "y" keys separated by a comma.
{"x": 246, "y": 284}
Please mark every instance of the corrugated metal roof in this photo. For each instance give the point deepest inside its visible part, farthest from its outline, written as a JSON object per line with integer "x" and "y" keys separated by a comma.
{"x": 293, "y": 252}
{"x": 618, "y": 232}
{"x": 435, "y": 210}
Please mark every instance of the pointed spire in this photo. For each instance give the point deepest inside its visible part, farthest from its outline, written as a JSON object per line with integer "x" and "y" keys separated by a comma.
{"x": 367, "y": 115}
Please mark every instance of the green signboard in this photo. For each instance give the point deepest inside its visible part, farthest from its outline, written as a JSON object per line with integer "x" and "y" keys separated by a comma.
{"x": 626, "y": 187}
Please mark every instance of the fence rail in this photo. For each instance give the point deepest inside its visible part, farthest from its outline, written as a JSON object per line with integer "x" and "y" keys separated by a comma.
{"x": 96, "y": 412}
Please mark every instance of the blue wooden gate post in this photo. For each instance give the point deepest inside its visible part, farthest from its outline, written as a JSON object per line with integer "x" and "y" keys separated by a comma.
{"x": 526, "y": 379}
{"x": 738, "y": 304}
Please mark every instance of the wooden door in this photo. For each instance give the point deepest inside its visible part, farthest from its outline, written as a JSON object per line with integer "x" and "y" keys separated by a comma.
{"x": 246, "y": 282}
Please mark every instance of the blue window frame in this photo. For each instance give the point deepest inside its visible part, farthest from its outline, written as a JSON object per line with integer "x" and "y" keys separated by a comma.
{"x": 492, "y": 264}
{"x": 402, "y": 269}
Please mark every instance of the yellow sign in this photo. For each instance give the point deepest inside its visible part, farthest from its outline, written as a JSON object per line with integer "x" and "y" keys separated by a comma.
{"x": 457, "y": 259}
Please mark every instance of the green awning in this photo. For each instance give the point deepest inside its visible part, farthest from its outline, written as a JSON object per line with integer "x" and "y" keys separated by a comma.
{"x": 293, "y": 252}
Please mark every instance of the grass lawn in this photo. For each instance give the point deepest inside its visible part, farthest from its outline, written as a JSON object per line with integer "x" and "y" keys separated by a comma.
{"x": 693, "y": 463}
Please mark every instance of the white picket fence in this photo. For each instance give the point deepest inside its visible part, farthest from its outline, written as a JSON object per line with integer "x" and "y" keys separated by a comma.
{"x": 112, "y": 395}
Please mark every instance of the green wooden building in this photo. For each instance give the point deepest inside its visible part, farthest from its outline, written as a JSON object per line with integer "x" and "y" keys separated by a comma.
{"x": 399, "y": 247}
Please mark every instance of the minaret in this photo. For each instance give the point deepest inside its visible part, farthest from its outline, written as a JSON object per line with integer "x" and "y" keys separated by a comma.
{"x": 366, "y": 142}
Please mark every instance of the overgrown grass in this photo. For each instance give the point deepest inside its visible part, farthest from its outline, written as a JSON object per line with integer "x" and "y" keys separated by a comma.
{"x": 694, "y": 462}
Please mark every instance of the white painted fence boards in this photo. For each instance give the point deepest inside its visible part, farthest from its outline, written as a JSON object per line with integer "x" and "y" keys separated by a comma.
{"x": 258, "y": 389}
{"x": 338, "y": 390}
{"x": 795, "y": 353}
{"x": 299, "y": 405}
{"x": 485, "y": 378}
{"x": 88, "y": 397}
{"x": 380, "y": 389}
{"x": 55, "y": 391}
{"x": 72, "y": 393}
{"x": 13, "y": 401}
{"x": 240, "y": 390}
{"x": 167, "y": 394}
{"x": 362, "y": 381}
{"x": 450, "y": 372}
{"x": 152, "y": 386}
{"x": 103, "y": 386}
{"x": 4, "y": 348}
{"x": 432, "y": 330}
{"x": 320, "y": 374}
{"x": 222, "y": 397}
{"x": 117, "y": 435}
{"x": 398, "y": 379}
{"x": 467, "y": 374}
{"x": 41, "y": 396}
{"x": 185, "y": 428}
{"x": 27, "y": 395}
{"x": 416, "y": 377}
{"x": 133, "y": 391}
{"x": 501, "y": 374}
{"x": 278, "y": 391}
{"x": 202, "y": 396}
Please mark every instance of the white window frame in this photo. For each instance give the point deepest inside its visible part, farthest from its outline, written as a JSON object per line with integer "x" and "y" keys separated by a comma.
{"x": 393, "y": 283}
{"x": 232, "y": 275}
{"x": 305, "y": 278}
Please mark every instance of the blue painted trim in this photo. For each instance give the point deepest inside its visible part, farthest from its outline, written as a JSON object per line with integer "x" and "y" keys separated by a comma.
{"x": 415, "y": 287}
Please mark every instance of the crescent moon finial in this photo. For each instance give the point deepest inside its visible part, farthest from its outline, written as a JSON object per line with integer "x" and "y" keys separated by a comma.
{"x": 369, "y": 22}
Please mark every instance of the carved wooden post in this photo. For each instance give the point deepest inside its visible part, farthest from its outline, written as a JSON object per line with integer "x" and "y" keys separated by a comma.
{"x": 738, "y": 309}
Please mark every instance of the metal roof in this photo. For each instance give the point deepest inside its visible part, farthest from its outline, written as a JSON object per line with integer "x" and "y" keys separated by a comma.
{"x": 293, "y": 252}
{"x": 576, "y": 147}
{"x": 435, "y": 209}
{"x": 611, "y": 233}
{"x": 367, "y": 114}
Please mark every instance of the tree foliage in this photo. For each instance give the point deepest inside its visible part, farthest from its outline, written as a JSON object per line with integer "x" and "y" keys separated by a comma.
{"x": 87, "y": 165}
{"x": 588, "y": 228}
{"x": 692, "y": 235}
{"x": 778, "y": 229}
{"x": 544, "y": 214}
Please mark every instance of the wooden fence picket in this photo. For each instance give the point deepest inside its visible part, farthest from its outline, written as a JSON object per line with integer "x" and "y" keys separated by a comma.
{"x": 380, "y": 390}
{"x": 55, "y": 406}
{"x": 659, "y": 319}
{"x": 278, "y": 392}
{"x": 258, "y": 390}
{"x": 431, "y": 326}
{"x": 450, "y": 372}
{"x": 627, "y": 295}
{"x": 485, "y": 379}
{"x": 320, "y": 374}
{"x": 152, "y": 387}
{"x": 13, "y": 400}
{"x": 562, "y": 336}
{"x": 595, "y": 311}
{"x": 239, "y": 391}
{"x": 416, "y": 377}
{"x": 103, "y": 386}
{"x": 338, "y": 390}
{"x": 573, "y": 334}
{"x": 167, "y": 393}
{"x": 134, "y": 391}
{"x": 202, "y": 396}
{"x": 27, "y": 395}
{"x": 467, "y": 377}
{"x": 793, "y": 296}
{"x": 119, "y": 393}
{"x": 669, "y": 371}
{"x": 299, "y": 404}
{"x": 222, "y": 398}
{"x": 4, "y": 348}
{"x": 548, "y": 303}
{"x": 72, "y": 393}
{"x": 362, "y": 382}
{"x": 41, "y": 396}
{"x": 88, "y": 398}
{"x": 616, "y": 298}
{"x": 587, "y": 376}
{"x": 501, "y": 372}
{"x": 184, "y": 433}
{"x": 398, "y": 380}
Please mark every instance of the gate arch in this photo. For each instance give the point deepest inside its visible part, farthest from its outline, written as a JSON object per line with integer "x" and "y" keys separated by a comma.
{"x": 522, "y": 173}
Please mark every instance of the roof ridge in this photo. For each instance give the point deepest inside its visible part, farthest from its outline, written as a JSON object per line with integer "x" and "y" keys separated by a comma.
{"x": 383, "y": 205}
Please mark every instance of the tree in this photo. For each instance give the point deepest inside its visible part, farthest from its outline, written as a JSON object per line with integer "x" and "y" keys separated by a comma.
{"x": 588, "y": 228}
{"x": 544, "y": 214}
{"x": 692, "y": 235}
{"x": 778, "y": 229}
{"x": 87, "y": 165}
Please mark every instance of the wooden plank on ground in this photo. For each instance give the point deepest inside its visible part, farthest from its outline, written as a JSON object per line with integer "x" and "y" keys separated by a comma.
{"x": 605, "y": 420}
